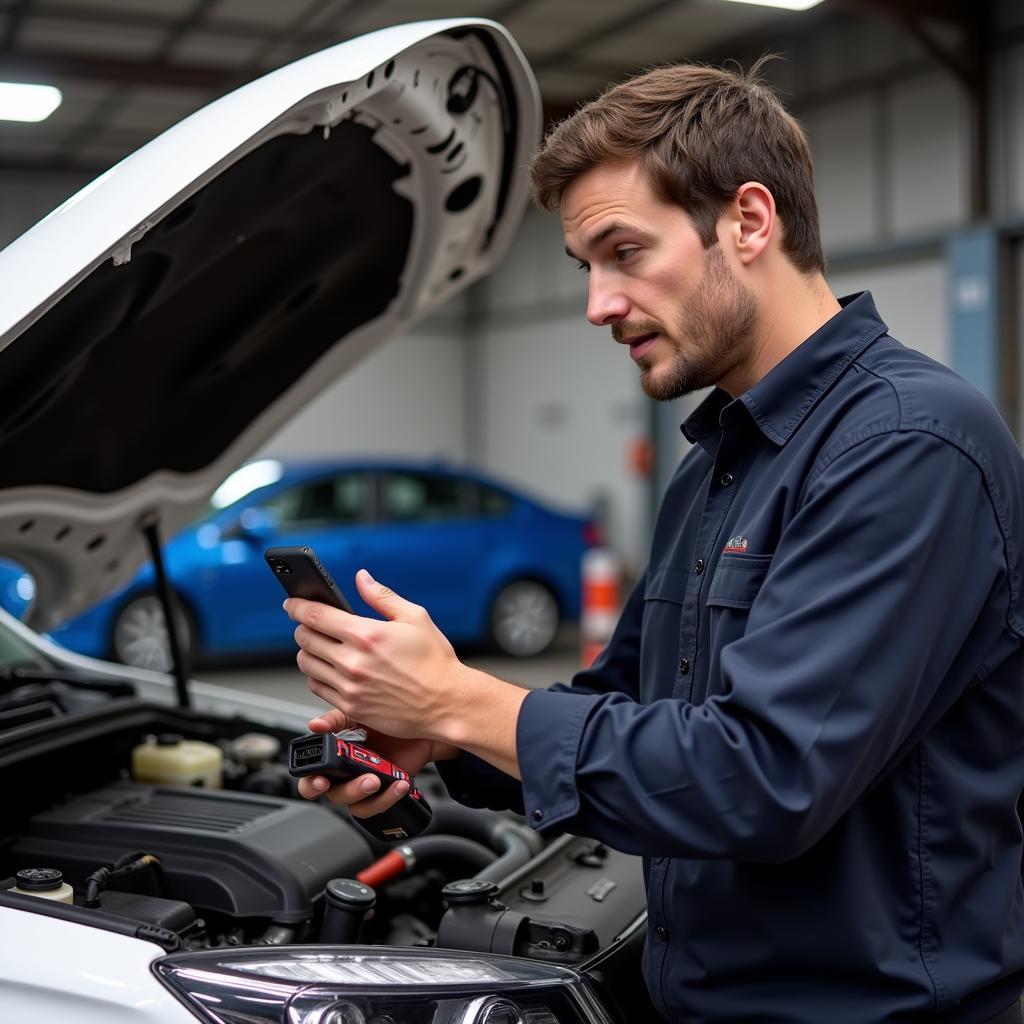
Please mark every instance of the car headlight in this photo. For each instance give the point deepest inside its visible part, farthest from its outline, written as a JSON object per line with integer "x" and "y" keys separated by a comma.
{"x": 376, "y": 985}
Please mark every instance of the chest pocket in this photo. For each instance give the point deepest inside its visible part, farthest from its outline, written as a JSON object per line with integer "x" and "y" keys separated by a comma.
{"x": 737, "y": 580}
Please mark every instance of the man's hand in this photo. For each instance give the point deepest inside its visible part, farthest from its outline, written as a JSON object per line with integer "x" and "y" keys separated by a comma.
{"x": 361, "y": 795}
{"x": 347, "y": 658}
{"x": 402, "y": 678}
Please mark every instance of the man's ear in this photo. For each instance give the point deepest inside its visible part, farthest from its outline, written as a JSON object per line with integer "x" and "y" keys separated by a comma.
{"x": 753, "y": 220}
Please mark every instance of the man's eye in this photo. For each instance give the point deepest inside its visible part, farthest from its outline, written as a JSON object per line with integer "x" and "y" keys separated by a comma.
{"x": 585, "y": 267}
{"x": 624, "y": 254}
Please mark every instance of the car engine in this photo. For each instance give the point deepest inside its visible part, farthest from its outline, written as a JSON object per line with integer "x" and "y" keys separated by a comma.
{"x": 238, "y": 859}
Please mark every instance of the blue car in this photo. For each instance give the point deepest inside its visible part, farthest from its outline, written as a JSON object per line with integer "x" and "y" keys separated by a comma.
{"x": 490, "y": 565}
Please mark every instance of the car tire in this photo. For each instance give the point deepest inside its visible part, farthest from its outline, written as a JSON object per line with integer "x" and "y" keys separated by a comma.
{"x": 138, "y": 636}
{"x": 524, "y": 618}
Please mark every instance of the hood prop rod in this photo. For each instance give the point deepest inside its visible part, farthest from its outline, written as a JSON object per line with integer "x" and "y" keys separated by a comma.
{"x": 151, "y": 531}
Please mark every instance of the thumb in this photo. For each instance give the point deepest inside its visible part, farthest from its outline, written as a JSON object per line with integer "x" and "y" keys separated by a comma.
{"x": 383, "y": 599}
{"x": 332, "y": 721}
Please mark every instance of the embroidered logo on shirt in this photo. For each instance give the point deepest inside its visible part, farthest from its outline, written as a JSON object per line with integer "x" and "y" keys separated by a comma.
{"x": 735, "y": 546}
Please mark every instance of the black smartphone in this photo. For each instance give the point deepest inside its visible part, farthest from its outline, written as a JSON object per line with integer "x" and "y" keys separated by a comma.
{"x": 302, "y": 574}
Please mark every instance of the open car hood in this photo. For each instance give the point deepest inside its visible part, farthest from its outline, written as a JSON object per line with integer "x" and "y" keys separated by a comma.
{"x": 161, "y": 324}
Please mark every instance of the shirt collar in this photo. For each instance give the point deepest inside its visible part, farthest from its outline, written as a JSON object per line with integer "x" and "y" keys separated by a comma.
{"x": 781, "y": 399}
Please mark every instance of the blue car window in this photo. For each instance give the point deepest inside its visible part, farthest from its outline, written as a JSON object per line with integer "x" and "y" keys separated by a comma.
{"x": 336, "y": 500}
{"x": 493, "y": 503}
{"x": 409, "y": 497}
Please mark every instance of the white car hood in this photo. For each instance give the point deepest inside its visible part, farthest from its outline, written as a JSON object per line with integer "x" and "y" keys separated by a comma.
{"x": 161, "y": 324}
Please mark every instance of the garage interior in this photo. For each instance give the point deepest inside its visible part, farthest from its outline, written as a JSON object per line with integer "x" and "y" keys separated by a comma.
{"x": 914, "y": 109}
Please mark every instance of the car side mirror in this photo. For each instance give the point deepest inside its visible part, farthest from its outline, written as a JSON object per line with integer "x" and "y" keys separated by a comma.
{"x": 257, "y": 525}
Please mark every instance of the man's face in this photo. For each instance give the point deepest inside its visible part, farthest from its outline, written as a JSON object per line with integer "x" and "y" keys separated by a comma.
{"x": 688, "y": 321}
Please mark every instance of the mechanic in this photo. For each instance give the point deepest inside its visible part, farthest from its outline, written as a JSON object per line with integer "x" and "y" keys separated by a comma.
{"x": 809, "y": 720}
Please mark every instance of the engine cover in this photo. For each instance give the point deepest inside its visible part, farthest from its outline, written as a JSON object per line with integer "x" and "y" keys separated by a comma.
{"x": 237, "y": 853}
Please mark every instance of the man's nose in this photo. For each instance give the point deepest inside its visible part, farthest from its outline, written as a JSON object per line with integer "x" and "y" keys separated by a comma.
{"x": 605, "y": 306}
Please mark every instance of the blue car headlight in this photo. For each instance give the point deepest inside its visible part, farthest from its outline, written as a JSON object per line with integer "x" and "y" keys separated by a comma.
{"x": 375, "y": 985}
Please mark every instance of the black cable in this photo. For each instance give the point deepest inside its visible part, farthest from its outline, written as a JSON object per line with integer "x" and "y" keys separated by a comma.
{"x": 126, "y": 864}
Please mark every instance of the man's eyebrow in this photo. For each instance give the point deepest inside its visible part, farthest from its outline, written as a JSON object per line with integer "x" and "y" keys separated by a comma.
{"x": 615, "y": 228}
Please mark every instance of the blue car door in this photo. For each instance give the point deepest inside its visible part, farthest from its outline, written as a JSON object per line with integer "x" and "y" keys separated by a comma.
{"x": 431, "y": 546}
{"x": 329, "y": 513}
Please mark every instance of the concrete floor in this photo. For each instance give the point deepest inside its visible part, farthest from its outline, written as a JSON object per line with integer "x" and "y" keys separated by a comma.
{"x": 284, "y": 680}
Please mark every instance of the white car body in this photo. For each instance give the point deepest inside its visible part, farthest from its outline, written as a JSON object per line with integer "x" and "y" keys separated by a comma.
{"x": 55, "y": 971}
{"x": 149, "y": 343}
{"x": 396, "y": 83}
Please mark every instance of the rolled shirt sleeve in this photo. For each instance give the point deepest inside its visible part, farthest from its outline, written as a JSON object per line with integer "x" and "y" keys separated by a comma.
{"x": 874, "y": 616}
{"x": 472, "y": 781}
{"x": 476, "y": 783}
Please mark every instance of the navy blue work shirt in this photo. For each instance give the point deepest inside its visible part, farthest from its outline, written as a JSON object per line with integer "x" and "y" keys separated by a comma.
{"x": 810, "y": 718}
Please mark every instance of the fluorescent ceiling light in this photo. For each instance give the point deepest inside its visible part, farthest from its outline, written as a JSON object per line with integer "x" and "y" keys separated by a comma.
{"x": 786, "y": 5}
{"x": 19, "y": 102}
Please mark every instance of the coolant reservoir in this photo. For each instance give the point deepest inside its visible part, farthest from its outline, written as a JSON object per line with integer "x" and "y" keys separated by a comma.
{"x": 45, "y": 883}
{"x": 172, "y": 761}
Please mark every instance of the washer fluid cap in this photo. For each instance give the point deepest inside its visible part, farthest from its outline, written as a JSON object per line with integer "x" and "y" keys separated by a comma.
{"x": 39, "y": 879}
{"x": 43, "y": 884}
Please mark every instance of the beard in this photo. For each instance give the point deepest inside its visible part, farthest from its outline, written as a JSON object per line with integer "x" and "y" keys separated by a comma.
{"x": 716, "y": 325}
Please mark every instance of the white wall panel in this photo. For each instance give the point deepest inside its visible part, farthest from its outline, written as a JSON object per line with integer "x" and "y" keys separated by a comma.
{"x": 1011, "y": 129}
{"x": 929, "y": 144}
{"x": 911, "y": 298}
{"x": 842, "y": 139}
{"x": 563, "y": 406}
{"x": 404, "y": 399}
{"x": 537, "y": 268}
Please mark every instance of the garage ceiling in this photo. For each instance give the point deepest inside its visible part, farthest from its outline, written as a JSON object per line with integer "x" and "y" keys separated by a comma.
{"x": 128, "y": 69}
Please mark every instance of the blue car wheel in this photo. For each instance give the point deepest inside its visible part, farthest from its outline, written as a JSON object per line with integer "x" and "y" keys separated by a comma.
{"x": 524, "y": 618}
{"x": 139, "y": 634}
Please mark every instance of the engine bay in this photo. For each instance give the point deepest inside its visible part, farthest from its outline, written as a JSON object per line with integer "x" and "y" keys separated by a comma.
{"x": 237, "y": 858}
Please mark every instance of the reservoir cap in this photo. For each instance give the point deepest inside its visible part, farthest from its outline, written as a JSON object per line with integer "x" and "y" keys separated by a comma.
{"x": 39, "y": 879}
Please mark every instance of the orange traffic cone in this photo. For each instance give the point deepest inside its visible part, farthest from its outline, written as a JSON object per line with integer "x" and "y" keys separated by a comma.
{"x": 600, "y": 605}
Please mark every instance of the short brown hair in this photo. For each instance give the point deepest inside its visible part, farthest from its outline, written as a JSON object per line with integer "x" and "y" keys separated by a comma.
{"x": 699, "y": 133}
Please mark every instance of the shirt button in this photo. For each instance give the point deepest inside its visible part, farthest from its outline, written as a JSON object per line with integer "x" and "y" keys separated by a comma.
{"x": 662, "y": 933}
{"x": 698, "y": 566}
{"x": 725, "y": 479}
{"x": 684, "y": 666}
{"x": 538, "y": 815}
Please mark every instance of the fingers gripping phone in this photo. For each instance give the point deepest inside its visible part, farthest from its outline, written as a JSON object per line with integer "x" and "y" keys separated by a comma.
{"x": 302, "y": 574}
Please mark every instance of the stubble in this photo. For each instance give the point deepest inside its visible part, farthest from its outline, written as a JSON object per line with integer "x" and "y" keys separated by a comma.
{"x": 716, "y": 326}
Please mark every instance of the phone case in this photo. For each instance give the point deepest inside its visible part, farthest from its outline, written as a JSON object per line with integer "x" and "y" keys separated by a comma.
{"x": 302, "y": 574}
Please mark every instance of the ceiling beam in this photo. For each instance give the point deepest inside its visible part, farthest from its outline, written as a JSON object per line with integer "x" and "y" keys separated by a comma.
{"x": 180, "y": 28}
{"x": 86, "y": 169}
{"x": 756, "y": 41}
{"x": 140, "y": 18}
{"x": 96, "y": 124}
{"x": 295, "y": 31}
{"x": 631, "y": 20}
{"x": 944, "y": 10}
{"x": 45, "y": 66}
{"x": 508, "y": 9}
{"x": 15, "y": 16}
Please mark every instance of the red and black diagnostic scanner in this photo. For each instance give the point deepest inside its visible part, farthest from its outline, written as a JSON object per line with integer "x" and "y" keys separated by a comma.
{"x": 340, "y": 759}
